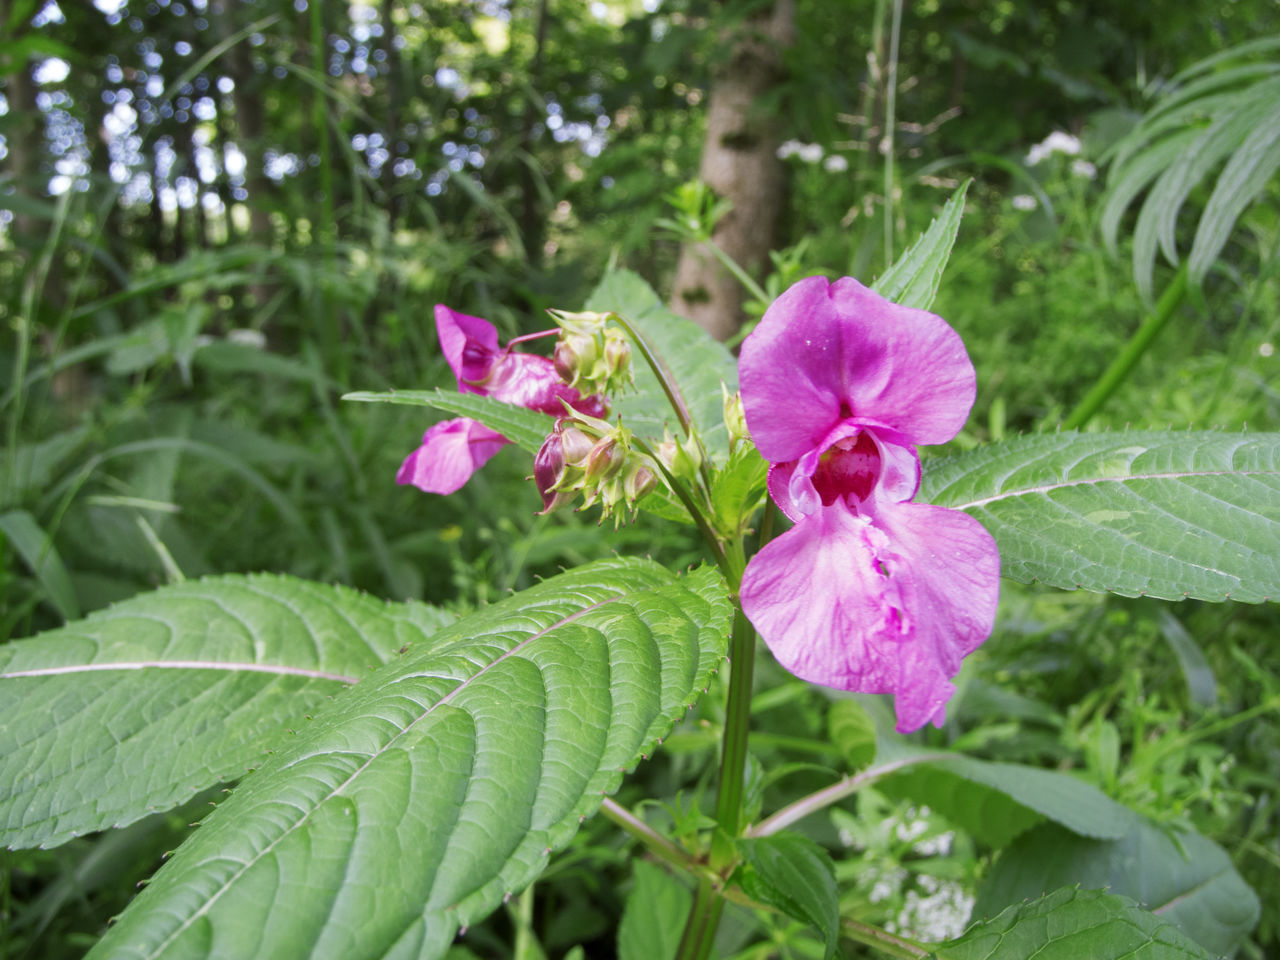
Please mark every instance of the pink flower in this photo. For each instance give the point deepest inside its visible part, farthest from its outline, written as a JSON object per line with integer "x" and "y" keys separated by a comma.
{"x": 451, "y": 451}
{"x": 868, "y": 591}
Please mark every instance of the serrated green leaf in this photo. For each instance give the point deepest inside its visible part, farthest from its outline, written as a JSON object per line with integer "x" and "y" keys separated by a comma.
{"x": 738, "y": 489}
{"x": 697, "y": 362}
{"x": 914, "y": 277}
{"x": 1183, "y": 877}
{"x": 1143, "y": 513}
{"x": 795, "y": 875}
{"x": 443, "y": 781}
{"x": 1241, "y": 180}
{"x": 654, "y": 915}
{"x": 1071, "y": 924}
{"x": 853, "y": 732}
{"x": 995, "y": 802}
{"x": 38, "y": 552}
{"x": 525, "y": 428}
{"x": 137, "y": 707}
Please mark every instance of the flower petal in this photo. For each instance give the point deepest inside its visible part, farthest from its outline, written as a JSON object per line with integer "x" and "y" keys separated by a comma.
{"x": 529, "y": 380}
{"x": 469, "y": 344}
{"x": 889, "y": 606}
{"x": 949, "y": 570}
{"x": 826, "y": 353}
{"x": 450, "y": 453}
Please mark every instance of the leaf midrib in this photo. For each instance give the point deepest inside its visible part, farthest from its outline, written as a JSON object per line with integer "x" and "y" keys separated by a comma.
{"x": 1089, "y": 481}
{"x": 228, "y": 665}
{"x": 208, "y": 903}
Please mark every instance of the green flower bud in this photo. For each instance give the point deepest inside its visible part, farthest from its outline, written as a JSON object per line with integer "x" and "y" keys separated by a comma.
{"x": 735, "y": 418}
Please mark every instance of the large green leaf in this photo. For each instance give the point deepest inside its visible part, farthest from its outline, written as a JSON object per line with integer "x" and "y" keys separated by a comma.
{"x": 1072, "y": 924}
{"x": 139, "y": 706}
{"x": 996, "y": 802}
{"x": 525, "y": 428}
{"x": 914, "y": 277}
{"x": 1182, "y": 876}
{"x": 697, "y": 363}
{"x": 1161, "y": 514}
{"x": 443, "y": 781}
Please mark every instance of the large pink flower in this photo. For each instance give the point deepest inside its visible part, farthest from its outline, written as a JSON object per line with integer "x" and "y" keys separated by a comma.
{"x": 869, "y": 591}
{"x": 451, "y": 451}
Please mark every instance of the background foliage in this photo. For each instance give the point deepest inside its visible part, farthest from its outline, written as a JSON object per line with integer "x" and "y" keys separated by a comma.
{"x": 218, "y": 217}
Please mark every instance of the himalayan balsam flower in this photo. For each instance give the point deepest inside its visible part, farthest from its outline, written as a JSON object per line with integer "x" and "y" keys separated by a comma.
{"x": 453, "y": 450}
{"x": 868, "y": 591}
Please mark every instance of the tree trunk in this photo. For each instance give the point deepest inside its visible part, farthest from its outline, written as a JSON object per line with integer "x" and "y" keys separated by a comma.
{"x": 740, "y": 163}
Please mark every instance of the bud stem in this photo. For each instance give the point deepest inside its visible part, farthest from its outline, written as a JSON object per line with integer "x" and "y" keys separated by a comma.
{"x": 674, "y": 396}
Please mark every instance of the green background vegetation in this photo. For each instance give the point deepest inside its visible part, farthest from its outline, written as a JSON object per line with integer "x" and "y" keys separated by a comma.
{"x": 187, "y": 293}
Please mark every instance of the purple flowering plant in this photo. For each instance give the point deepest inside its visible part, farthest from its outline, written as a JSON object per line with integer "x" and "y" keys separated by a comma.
{"x": 433, "y": 764}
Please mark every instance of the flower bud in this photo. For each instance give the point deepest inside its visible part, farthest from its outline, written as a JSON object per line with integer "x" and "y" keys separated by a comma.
{"x": 605, "y": 459}
{"x": 576, "y": 445}
{"x": 548, "y": 472}
{"x": 639, "y": 482}
{"x": 682, "y": 457}
{"x": 735, "y": 418}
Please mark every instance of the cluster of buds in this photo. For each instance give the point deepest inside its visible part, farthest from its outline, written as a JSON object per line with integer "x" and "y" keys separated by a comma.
{"x": 592, "y": 457}
{"x": 592, "y": 354}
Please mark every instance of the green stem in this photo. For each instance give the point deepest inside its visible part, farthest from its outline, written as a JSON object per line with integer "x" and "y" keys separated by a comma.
{"x": 837, "y": 792}
{"x": 658, "y": 845}
{"x": 695, "y": 512}
{"x": 1132, "y": 353}
{"x": 733, "y": 267}
{"x": 674, "y": 396}
{"x": 890, "y": 121}
{"x": 884, "y": 941}
{"x": 700, "y": 928}
{"x": 733, "y": 758}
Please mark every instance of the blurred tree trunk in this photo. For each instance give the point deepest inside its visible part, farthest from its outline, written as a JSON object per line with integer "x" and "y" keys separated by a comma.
{"x": 740, "y": 162}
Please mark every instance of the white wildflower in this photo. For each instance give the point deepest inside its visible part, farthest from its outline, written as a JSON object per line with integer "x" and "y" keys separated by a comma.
{"x": 1024, "y": 201}
{"x": 1083, "y": 168}
{"x": 1056, "y": 142}
{"x": 835, "y": 164}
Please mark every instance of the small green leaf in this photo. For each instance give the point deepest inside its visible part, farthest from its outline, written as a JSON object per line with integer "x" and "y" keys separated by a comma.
{"x": 1202, "y": 685}
{"x": 914, "y": 277}
{"x": 738, "y": 489}
{"x": 1143, "y": 513}
{"x": 442, "y": 782}
{"x": 1071, "y": 924}
{"x": 853, "y": 732}
{"x": 697, "y": 362}
{"x": 525, "y": 428}
{"x": 137, "y": 707}
{"x": 795, "y": 875}
{"x": 1182, "y": 876}
{"x": 40, "y": 555}
{"x": 654, "y": 915}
